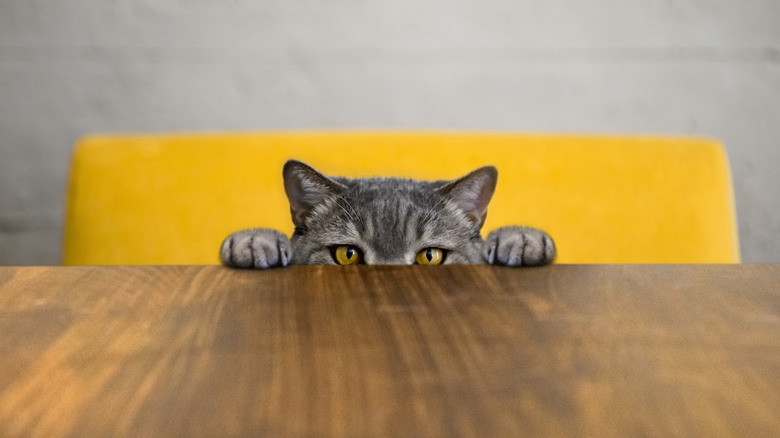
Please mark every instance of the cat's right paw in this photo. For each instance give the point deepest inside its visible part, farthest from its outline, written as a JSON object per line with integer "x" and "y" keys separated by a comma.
{"x": 256, "y": 248}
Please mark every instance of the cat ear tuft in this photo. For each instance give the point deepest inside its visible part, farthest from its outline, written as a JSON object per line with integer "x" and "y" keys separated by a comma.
{"x": 472, "y": 193}
{"x": 305, "y": 188}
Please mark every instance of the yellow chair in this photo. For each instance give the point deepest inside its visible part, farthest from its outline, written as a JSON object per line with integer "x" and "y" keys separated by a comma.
{"x": 171, "y": 199}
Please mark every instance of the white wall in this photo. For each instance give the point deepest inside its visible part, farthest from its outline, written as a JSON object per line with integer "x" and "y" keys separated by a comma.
{"x": 704, "y": 67}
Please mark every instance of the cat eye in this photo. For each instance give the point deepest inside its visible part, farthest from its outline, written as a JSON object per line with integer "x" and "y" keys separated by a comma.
{"x": 346, "y": 254}
{"x": 430, "y": 256}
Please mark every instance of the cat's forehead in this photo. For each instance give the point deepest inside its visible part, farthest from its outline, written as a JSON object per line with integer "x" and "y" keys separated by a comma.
{"x": 390, "y": 185}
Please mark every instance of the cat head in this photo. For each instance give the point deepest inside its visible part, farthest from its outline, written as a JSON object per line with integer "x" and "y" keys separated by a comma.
{"x": 386, "y": 220}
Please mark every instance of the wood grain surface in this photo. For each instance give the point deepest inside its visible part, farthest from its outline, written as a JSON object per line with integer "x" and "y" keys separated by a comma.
{"x": 622, "y": 350}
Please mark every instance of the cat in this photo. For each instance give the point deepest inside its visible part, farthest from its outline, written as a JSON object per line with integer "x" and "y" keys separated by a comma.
{"x": 387, "y": 221}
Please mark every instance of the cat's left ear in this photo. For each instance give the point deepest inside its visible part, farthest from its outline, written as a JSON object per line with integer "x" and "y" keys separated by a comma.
{"x": 472, "y": 193}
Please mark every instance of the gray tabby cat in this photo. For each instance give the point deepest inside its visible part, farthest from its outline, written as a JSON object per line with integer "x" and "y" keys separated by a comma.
{"x": 386, "y": 221}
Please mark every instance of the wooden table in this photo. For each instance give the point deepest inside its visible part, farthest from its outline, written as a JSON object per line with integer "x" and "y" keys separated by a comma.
{"x": 623, "y": 350}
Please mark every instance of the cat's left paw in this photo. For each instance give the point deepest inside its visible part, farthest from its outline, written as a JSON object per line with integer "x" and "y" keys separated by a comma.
{"x": 518, "y": 246}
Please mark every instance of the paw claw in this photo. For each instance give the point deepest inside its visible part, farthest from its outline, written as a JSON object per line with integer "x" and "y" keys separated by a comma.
{"x": 489, "y": 251}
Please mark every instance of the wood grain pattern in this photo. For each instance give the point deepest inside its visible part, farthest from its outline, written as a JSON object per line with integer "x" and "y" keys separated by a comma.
{"x": 390, "y": 351}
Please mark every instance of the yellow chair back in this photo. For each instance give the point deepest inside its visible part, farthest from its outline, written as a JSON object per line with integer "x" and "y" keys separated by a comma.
{"x": 171, "y": 199}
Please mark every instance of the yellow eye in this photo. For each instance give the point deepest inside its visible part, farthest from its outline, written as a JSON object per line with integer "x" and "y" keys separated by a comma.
{"x": 346, "y": 255}
{"x": 430, "y": 256}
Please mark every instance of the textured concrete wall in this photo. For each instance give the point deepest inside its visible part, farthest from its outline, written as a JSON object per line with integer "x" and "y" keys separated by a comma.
{"x": 707, "y": 67}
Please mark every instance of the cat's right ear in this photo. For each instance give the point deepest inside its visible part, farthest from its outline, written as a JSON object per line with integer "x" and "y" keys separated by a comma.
{"x": 305, "y": 188}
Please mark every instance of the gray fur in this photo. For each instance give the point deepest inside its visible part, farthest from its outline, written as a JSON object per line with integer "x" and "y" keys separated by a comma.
{"x": 390, "y": 220}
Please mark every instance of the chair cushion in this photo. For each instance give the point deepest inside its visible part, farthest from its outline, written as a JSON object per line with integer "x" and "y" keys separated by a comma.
{"x": 171, "y": 199}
